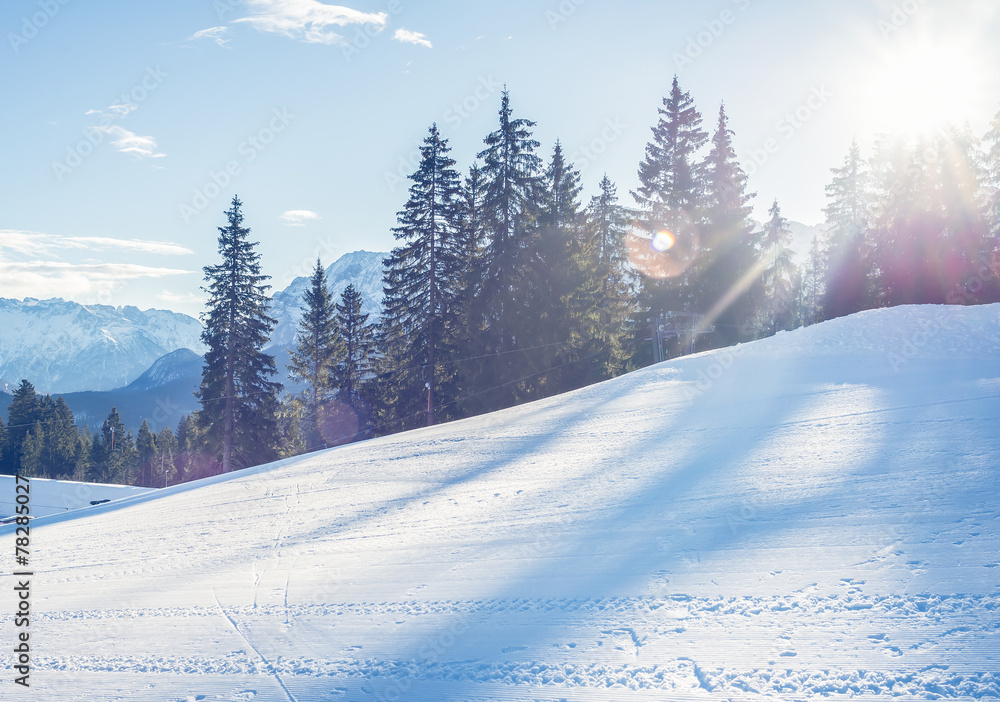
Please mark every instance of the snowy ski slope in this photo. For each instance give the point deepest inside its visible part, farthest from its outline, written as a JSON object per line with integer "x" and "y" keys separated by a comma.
{"x": 812, "y": 516}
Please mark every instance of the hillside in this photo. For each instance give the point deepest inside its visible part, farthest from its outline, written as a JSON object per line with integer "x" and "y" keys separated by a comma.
{"x": 813, "y": 516}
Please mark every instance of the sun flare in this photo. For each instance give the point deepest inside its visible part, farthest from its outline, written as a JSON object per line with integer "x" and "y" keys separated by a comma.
{"x": 923, "y": 86}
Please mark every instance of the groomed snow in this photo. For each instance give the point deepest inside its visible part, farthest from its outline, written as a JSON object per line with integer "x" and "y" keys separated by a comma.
{"x": 812, "y": 516}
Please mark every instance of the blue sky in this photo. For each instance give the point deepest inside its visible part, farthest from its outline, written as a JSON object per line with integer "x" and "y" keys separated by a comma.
{"x": 128, "y": 126}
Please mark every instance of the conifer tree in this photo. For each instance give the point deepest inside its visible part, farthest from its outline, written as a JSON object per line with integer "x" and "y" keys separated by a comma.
{"x": 849, "y": 284}
{"x": 163, "y": 462}
{"x": 556, "y": 283}
{"x": 781, "y": 282}
{"x": 238, "y": 399}
{"x": 671, "y": 198}
{"x": 5, "y": 467}
{"x": 511, "y": 180}
{"x": 24, "y": 410}
{"x": 423, "y": 289}
{"x": 145, "y": 444}
{"x": 991, "y": 182}
{"x": 115, "y": 453}
{"x": 607, "y": 284}
{"x": 354, "y": 360}
{"x": 31, "y": 452}
{"x": 312, "y": 361}
{"x": 728, "y": 270}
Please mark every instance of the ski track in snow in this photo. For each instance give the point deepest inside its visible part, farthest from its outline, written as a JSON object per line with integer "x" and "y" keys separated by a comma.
{"x": 820, "y": 528}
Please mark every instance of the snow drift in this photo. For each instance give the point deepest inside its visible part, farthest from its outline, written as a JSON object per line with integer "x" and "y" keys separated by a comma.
{"x": 811, "y": 516}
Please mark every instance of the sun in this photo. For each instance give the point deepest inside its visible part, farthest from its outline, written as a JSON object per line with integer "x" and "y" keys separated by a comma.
{"x": 923, "y": 85}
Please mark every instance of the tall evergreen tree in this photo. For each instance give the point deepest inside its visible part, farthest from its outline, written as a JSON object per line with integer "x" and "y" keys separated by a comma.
{"x": 61, "y": 448}
{"x": 354, "y": 360}
{"x": 145, "y": 445}
{"x": 312, "y": 361}
{"x": 238, "y": 399}
{"x": 849, "y": 285}
{"x": 6, "y": 468}
{"x": 164, "y": 471}
{"x": 671, "y": 198}
{"x": 115, "y": 454}
{"x": 511, "y": 180}
{"x": 607, "y": 285}
{"x": 781, "y": 282}
{"x": 991, "y": 181}
{"x": 25, "y": 409}
{"x": 729, "y": 280}
{"x": 31, "y": 452}
{"x": 555, "y": 282}
{"x": 423, "y": 285}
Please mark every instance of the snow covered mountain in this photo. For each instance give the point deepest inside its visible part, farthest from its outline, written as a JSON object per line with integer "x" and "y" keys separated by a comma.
{"x": 812, "y": 516}
{"x": 362, "y": 268}
{"x": 64, "y": 346}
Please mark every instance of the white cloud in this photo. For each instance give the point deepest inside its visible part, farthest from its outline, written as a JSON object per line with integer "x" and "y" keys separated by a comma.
{"x": 307, "y": 20}
{"x": 39, "y": 244}
{"x": 131, "y": 143}
{"x": 408, "y": 37}
{"x": 161, "y": 248}
{"x": 298, "y": 218}
{"x": 83, "y": 282}
{"x": 213, "y": 33}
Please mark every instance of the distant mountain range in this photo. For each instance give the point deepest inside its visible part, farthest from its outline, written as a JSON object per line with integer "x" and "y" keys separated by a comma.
{"x": 63, "y": 346}
{"x": 146, "y": 363}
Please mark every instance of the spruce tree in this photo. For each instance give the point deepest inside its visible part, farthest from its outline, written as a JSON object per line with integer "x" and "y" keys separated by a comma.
{"x": 728, "y": 283}
{"x": 849, "y": 283}
{"x": 502, "y": 304}
{"x": 559, "y": 299}
{"x": 781, "y": 281}
{"x": 238, "y": 400}
{"x": 607, "y": 284}
{"x": 991, "y": 183}
{"x": 312, "y": 360}
{"x": 353, "y": 364}
{"x": 145, "y": 444}
{"x": 31, "y": 452}
{"x": 115, "y": 453}
{"x": 5, "y": 466}
{"x": 671, "y": 198}
{"x": 423, "y": 288}
{"x": 163, "y": 461}
{"x": 25, "y": 409}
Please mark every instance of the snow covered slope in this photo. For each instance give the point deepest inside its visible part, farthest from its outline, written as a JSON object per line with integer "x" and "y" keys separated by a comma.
{"x": 59, "y": 496}
{"x": 813, "y": 516}
{"x": 63, "y": 346}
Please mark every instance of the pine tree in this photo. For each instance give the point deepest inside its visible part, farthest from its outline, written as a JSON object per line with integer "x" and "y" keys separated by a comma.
{"x": 31, "y": 452}
{"x": 5, "y": 465}
{"x": 163, "y": 462}
{"x": 729, "y": 280}
{"x": 239, "y": 402}
{"x": 607, "y": 285}
{"x": 991, "y": 183}
{"x": 502, "y": 302}
{"x": 353, "y": 363}
{"x": 671, "y": 198}
{"x": 312, "y": 361}
{"x": 849, "y": 283}
{"x": 114, "y": 454}
{"x": 423, "y": 287}
{"x": 145, "y": 444}
{"x": 559, "y": 298}
{"x": 781, "y": 282}
{"x": 60, "y": 448}
{"x": 25, "y": 409}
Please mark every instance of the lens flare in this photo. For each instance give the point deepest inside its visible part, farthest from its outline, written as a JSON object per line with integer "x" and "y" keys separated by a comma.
{"x": 662, "y": 252}
{"x": 664, "y": 241}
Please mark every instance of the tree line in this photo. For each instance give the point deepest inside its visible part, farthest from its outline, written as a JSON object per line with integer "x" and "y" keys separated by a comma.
{"x": 507, "y": 286}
